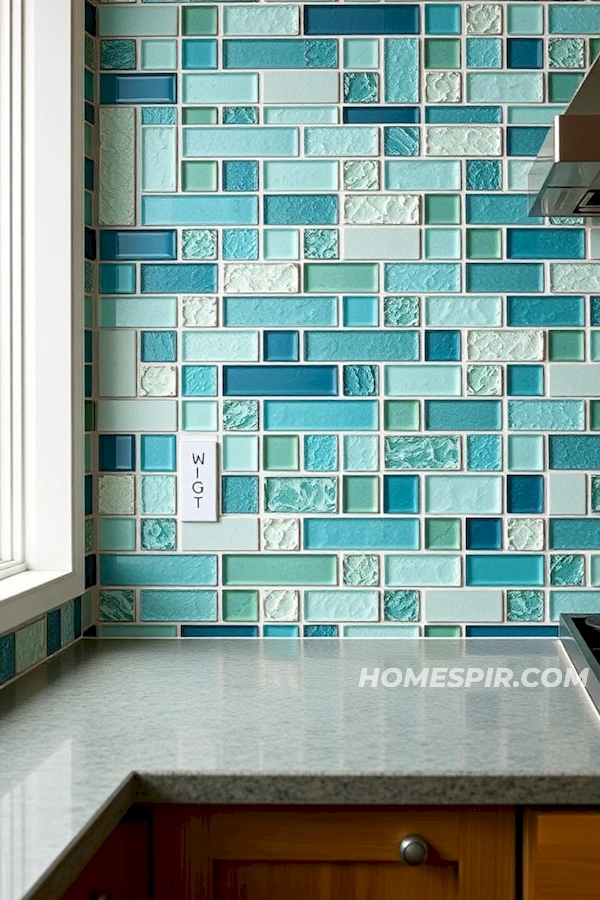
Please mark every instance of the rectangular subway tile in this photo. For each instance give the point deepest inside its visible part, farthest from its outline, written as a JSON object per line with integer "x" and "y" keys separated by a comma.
{"x": 157, "y": 569}
{"x": 279, "y": 569}
{"x": 278, "y": 53}
{"x": 280, "y": 381}
{"x": 357, "y": 19}
{"x": 276, "y": 311}
{"x": 129, "y": 89}
{"x": 463, "y": 606}
{"x": 423, "y": 570}
{"x": 320, "y": 415}
{"x": 200, "y": 209}
{"x": 178, "y": 606}
{"x": 229, "y": 533}
{"x": 361, "y": 534}
{"x": 240, "y": 142}
{"x": 361, "y": 345}
{"x": 344, "y": 606}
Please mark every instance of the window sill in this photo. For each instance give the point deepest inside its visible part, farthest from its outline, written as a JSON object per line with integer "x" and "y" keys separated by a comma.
{"x": 31, "y": 594}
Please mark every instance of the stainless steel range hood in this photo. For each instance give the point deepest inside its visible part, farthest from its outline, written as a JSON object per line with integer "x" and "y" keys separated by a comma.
{"x": 565, "y": 178}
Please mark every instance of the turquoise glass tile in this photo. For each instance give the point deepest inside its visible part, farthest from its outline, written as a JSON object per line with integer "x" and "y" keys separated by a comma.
{"x": 401, "y": 70}
{"x": 333, "y": 606}
{"x": 320, "y": 415}
{"x": 320, "y": 452}
{"x": 546, "y": 415}
{"x": 179, "y": 209}
{"x": 407, "y": 277}
{"x": 501, "y": 570}
{"x": 275, "y": 311}
{"x": 484, "y": 53}
{"x": 280, "y": 54}
{"x": 178, "y": 606}
{"x": 565, "y": 18}
{"x": 484, "y": 452}
{"x": 361, "y": 345}
{"x": 423, "y": 570}
{"x": 241, "y": 142}
{"x": 422, "y": 175}
{"x": 505, "y": 87}
{"x": 158, "y": 569}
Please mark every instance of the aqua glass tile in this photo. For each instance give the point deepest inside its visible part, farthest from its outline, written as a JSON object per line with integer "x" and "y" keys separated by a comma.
{"x": 248, "y": 142}
{"x": 202, "y": 115}
{"x": 240, "y": 453}
{"x": 525, "y": 452}
{"x": 525, "y": 381}
{"x": 360, "y": 453}
{"x": 354, "y": 606}
{"x": 158, "y": 346}
{"x": 116, "y": 533}
{"x": 484, "y": 452}
{"x": 360, "y": 494}
{"x": 401, "y": 494}
{"x": 273, "y": 53}
{"x": 567, "y": 570}
{"x": 360, "y": 381}
{"x": 320, "y": 452}
{"x": 401, "y": 55}
{"x": 484, "y": 53}
{"x": 158, "y": 453}
{"x": 504, "y": 570}
{"x": 240, "y": 606}
{"x": 320, "y": 631}
{"x": 525, "y": 606}
{"x": 178, "y": 606}
{"x": 280, "y": 453}
{"x": 401, "y": 141}
{"x": 300, "y": 209}
{"x": 400, "y": 312}
{"x": 361, "y": 87}
{"x": 199, "y": 415}
{"x": 360, "y": 312}
{"x": 281, "y": 243}
{"x": 483, "y": 175}
{"x": 240, "y": 415}
{"x": 321, "y": 243}
{"x": 137, "y": 21}
{"x": 566, "y": 53}
{"x": 240, "y": 115}
{"x": 199, "y": 54}
{"x": 361, "y": 53}
{"x": 240, "y": 175}
{"x": 158, "y": 54}
{"x": 240, "y": 243}
{"x": 239, "y": 494}
{"x": 442, "y": 243}
{"x": 166, "y": 570}
{"x": 442, "y": 18}
{"x": 525, "y": 18}
{"x": 281, "y": 631}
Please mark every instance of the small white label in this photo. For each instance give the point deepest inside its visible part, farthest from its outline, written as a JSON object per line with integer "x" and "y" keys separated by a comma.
{"x": 197, "y": 480}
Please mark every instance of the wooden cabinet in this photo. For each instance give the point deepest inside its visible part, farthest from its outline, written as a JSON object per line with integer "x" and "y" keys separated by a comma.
{"x": 331, "y": 854}
{"x": 121, "y": 868}
{"x": 561, "y": 854}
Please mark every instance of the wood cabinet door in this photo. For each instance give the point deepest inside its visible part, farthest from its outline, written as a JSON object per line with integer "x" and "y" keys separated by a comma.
{"x": 331, "y": 854}
{"x": 561, "y": 854}
{"x": 120, "y": 870}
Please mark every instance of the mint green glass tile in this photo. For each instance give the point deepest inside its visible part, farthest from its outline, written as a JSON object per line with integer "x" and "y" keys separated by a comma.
{"x": 199, "y": 20}
{"x": 238, "y": 346}
{"x": 469, "y": 494}
{"x": 595, "y": 345}
{"x": 525, "y": 606}
{"x": 280, "y": 452}
{"x": 361, "y": 453}
{"x": 159, "y": 159}
{"x": 240, "y": 606}
{"x": 533, "y": 115}
{"x": 222, "y": 87}
{"x": 442, "y": 534}
{"x": 199, "y": 176}
{"x": 137, "y": 312}
{"x": 67, "y": 623}
{"x": 463, "y": 606}
{"x": 240, "y": 453}
{"x": 401, "y": 415}
{"x": 361, "y": 53}
{"x": 137, "y": 21}
{"x": 336, "y": 606}
{"x": 116, "y": 606}
{"x": 423, "y": 570}
{"x": 381, "y": 631}
{"x": 360, "y": 494}
{"x": 117, "y": 364}
{"x": 525, "y": 18}
{"x": 178, "y": 606}
{"x": 442, "y": 53}
{"x": 443, "y": 631}
{"x": 505, "y": 87}
{"x": 116, "y": 169}
{"x": 442, "y": 243}
{"x": 159, "y": 54}
{"x": 301, "y": 175}
{"x": 525, "y": 453}
{"x": 126, "y": 416}
{"x": 300, "y": 115}
{"x": 137, "y": 631}
{"x": 340, "y": 277}
{"x": 277, "y": 19}
{"x": 199, "y": 115}
{"x": 199, "y": 415}
{"x": 281, "y": 243}
{"x": 442, "y": 209}
{"x": 484, "y": 243}
{"x": 157, "y": 495}
{"x": 279, "y": 569}
{"x": 562, "y": 86}
{"x": 116, "y": 533}
{"x": 423, "y": 380}
{"x": 30, "y": 645}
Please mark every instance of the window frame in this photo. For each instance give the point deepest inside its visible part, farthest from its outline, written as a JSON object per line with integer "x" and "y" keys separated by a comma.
{"x": 46, "y": 310}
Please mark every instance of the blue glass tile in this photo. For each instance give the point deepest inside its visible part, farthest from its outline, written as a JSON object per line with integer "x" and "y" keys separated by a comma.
{"x": 401, "y": 55}
{"x": 276, "y": 311}
{"x": 565, "y": 18}
{"x": 361, "y": 345}
{"x": 320, "y": 631}
{"x": 199, "y": 54}
{"x": 116, "y": 452}
{"x": 192, "y": 209}
{"x": 90, "y": 243}
{"x": 524, "y": 141}
{"x": 525, "y": 381}
{"x": 270, "y": 53}
{"x": 442, "y": 18}
{"x": 281, "y": 346}
{"x": 484, "y": 452}
{"x": 219, "y": 631}
{"x": 320, "y": 415}
{"x": 463, "y": 115}
{"x": 574, "y": 451}
{"x": 499, "y": 209}
{"x": 125, "y": 245}
{"x": 484, "y": 175}
{"x": 281, "y": 631}
{"x": 545, "y": 243}
{"x": 91, "y": 15}
{"x": 157, "y": 569}
{"x": 240, "y": 243}
{"x": 401, "y": 141}
{"x": 280, "y": 381}
{"x": 159, "y": 115}
{"x": 549, "y": 312}
{"x": 422, "y": 278}
{"x": 239, "y": 494}
{"x": 301, "y": 209}
{"x": 336, "y": 20}
{"x": 380, "y": 115}
{"x": 89, "y": 346}
{"x": 512, "y": 631}
{"x": 361, "y": 534}
{"x": 159, "y": 346}
{"x": 401, "y": 493}
{"x": 574, "y": 534}
{"x": 525, "y": 53}
{"x": 53, "y": 634}
{"x": 199, "y": 381}
{"x": 546, "y": 415}
{"x": 484, "y": 53}
{"x": 525, "y": 494}
{"x": 240, "y": 175}
{"x": 117, "y": 279}
{"x": 484, "y": 534}
{"x": 7, "y": 657}
{"x": 504, "y": 570}
{"x": 89, "y": 495}
{"x": 504, "y": 278}
{"x": 88, "y": 381}
{"x": 179, "y": 279}
{"x": 320, "y": 452}
{"x": 442, "y": 345}
{"x": 158, "y": 453}
{"x": 463, "y": 415}
{"x": 138, "y": 89}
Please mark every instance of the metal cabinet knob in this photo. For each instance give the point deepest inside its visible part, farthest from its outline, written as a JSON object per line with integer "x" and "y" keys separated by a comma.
{"x": 413, "y": 850}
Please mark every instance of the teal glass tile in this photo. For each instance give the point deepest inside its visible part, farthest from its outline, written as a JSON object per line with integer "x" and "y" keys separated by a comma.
{"x": 199, "y": 54}
{"x": 137, "y": 21}
{"x": 178, "y": 606}
{"x": 320, "y": 452}
{"x": 158, "y": 453}
{"x": 484, "y": 452}
{"x": 116, "y": 533}
{"x": 116, "y": 606}
{"x": 117, "y": 54}
{"x": 484, "y": 53}
{"x": 280, "y": 54}
{"x": 359, "y": 312}
{"x": 320, "y": 415}
{"x": 273, "y": 311}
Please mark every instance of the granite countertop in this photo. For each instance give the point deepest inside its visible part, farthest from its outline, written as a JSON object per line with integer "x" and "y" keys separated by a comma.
{"x": 107, "y": 723}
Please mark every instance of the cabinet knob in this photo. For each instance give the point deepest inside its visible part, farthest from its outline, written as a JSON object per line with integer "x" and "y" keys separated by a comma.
{"x": 413, "y": 850}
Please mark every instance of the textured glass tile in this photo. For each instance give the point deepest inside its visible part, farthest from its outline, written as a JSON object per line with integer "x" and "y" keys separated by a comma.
{"x": 320, "y": 452}
{"x": 566, "y": 53}
{"x": 457, "y": 140}
{"x": 427, "y": 452}
{"x": 280, "y": 54}
{"x": 240, "y": 415}
{"x": 30, "y": 645}
{"x": 281, "y": 534}
{"x": 239, "y": 494}
{"x": 301, "y": 494}
{"x": 199, "y": 243}
{"x": 361, "y": 570}
{"x": 157, "y": 495}
{"x": 116, "y": 606}
{"x": 424, "y": 569}
{"x": 116, "y": 167}
{"x": 359, "y": 87}
{"x": 442, "y": 534}
{"x": 117, "y": 54}
{"x": 352, "y": 606}
{"x": 277, "y": 19}
{"x": 484, "y": 53}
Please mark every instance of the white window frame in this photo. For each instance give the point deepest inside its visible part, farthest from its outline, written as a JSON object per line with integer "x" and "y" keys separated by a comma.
{"x": 46, "y": 245}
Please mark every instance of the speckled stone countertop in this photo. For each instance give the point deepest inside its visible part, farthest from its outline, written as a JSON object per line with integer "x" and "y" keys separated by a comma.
{"x": 107, "y": 723}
